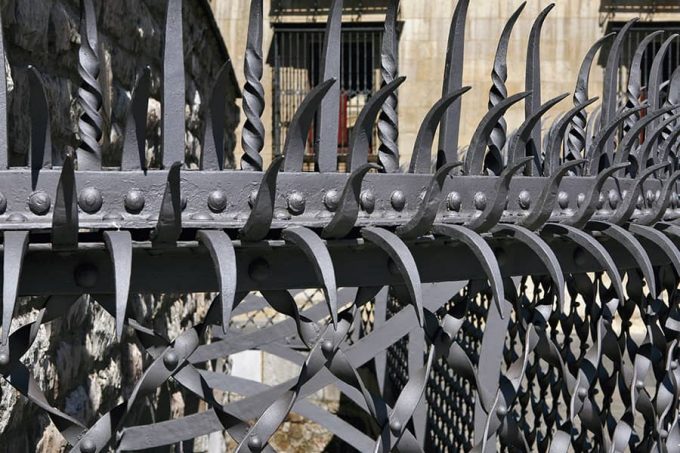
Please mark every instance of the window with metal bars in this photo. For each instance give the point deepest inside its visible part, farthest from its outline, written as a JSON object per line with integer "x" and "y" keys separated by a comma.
{"x": 295, "y": 59}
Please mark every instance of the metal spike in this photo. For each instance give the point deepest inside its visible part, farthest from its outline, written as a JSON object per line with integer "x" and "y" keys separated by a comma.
{"x": 629, "y": 140}
{"x": 453, "y": 81}
{"x": 14, "y": 248}
{"x": 119, "y": 244}
{"x": 212, "y": 155}
{"x": 261, "y": 216}
{"x": 41, "y": 137}
{"x": 647, "y": 152}
{"x": 665, "y": 149}
{"x": 315, "y": 250}
{"x": 627, "y": 205}
{"x": 252, "y": 139}
{"x": 298, "y": 128}
{"x": 326, "y": 138}
{"x": 363, "y": 126}
{"x": 604, "y": 137}
{"x": 388, "y": 122}
{"x": 663, "y": 243}
{"x": 90, "y": 92}
{"x": 421, "y": 159}
{"x": 551, "y": 160}
{"x": 533, "y": 74}
{"x": 169, "y": 226}
{"x": 134, "y": 145}
{"x": 348, "y": 209}
{"x": 498, "y": 92}
{"x": 224, "y": 258}
{"x": 474, "y": 160}
{"x": 172, "y": 88}
{"x": 656, "y": 77}
{"x": 65, "y": 216}
{"x": 422, "y": 221}
{"x": 635, "y": 76}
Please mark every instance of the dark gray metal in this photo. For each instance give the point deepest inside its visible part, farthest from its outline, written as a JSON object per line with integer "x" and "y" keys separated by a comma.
{"x": 253, "y": 93}
{"x": 388, "y": 123}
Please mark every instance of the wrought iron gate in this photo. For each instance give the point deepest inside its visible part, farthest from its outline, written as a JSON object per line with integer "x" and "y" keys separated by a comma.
{"x": 524, "y": 298}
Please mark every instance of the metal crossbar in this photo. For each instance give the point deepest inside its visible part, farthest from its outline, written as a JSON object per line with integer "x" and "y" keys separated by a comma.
{"x": 522, "y": 297}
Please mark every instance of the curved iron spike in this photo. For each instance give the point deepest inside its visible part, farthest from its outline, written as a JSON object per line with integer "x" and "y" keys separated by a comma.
{"x": 635, "y": 75}
{"x": 14, "y": 248}
{"x": 402, "y": 258}
{"x": 212, "y": 154}
{"x": 545, "y": 204}
{"x": 65, "y": 216}
{"x": 316, "y": 251}
{"x": 388, "y": 121}
{"x": 542, "y": 250}
{"x": 604, "y": 136}
{"x": 169, "y": 225}
{"x": 533, "y": 75}
{"x": 474, "y": 160}
{"x": 656, "y": 77}
{"x": 134, "y": 145}
{"x": 90, "y": 99}
{"x": 119, "y": 244}
{"x": 453, "y": 81}
{"x": 611, "y": 83}
{"x": 627, "y": 205}
{"x": 4, "y": 141}
{"x": 499, "y": 76}
{"x": 348, "y": 209}
{"x": 664, "y": 243}
{"x": 172, "y": 88}
{"x": 326, "y": 139}
{"x": 298, "y": 129}
{"x": 421, "y": 160}
{"x": 645, "y": 153}
{"x": 591, "y": 246}
{"x": 628, "y": 242}
{"x": 224, "y": 258}
{"x": 41, "y": 135}
{"x": 262, "y": 213}
{"x": 484, "y": 254}
{"x": 576, "y": 139}
{"x": 633, "y": 135}
{"x": 589, "y": 205}
{"x": 493, "y": 211}
{"x": 422, "y": 221}
{"x": 668, "y": 145}
{"x": 656, "y": 214}
{"x": 363, "y": 126}
{"x": 552, "y": 155}
{"x": 518, "y": 145}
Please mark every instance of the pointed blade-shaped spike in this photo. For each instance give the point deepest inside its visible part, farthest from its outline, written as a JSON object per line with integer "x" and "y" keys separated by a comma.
{"x": 212, "y": 155}
{"x": 326, "y": 137}
{"x": 169, "y": 224}
{"x": 635, "y": 76}
{"x": 388, "y": 122}
{"x": 173, "y": 90}
{"x": 224, "y": 258}
{"x": 90, "y": 99}
{"x": 298, "y": 128}
{"x": 260, "y": 220}
{"x": 453, "y": 81}
{"x": 65, "y": 216}
{"x": 604, "y": 138}
{"x": 533, "y": 74}
{"x": 14, "y": 249}
{"x": 41, "y": 137}
{"x": 552, "y": 153}
{"x": 252, "y": 139}
{"x": 134, "y": 145}
{"x": 656, "y": 78}
{"x": 119, "y": 244}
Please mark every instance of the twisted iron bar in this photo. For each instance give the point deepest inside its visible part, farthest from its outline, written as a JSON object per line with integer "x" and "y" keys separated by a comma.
{"x": 388, "y": 122}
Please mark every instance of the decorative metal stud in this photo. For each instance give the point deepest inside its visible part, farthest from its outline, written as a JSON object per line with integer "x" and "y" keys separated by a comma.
{"x": 563, "y": 200}
{"x": 331, "y": 200}
{"x": 134, "y": 201}
{"x": 580, "y": 199}
{"x": 454, "y": 202}
{"x": 88, "y": 446}
{"x": 217, "y": 201}
{"x": 296, "y": 203}
{"x": 480, "y": 201}
{"x": 524, "y": 199}
{"x": 4, "y": 359}
{"x": 367, "y": 200}
{"x": 600, "y": 201}
{"x": 170, "y": 360}
{"x": 398, "y": 200}
{"x": 90, "y": 200}
{"x": 39, "y": 203}
{"x": 613, "y": 198}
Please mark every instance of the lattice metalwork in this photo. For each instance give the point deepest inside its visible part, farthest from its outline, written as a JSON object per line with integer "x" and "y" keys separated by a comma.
{"x": 521, "y": 297}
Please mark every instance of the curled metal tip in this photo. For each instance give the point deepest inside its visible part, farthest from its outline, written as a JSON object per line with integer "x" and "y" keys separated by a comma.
{"x": 262, "y": 214}
{"x": 552, "y": 152}
{"x": 223, "y": 255}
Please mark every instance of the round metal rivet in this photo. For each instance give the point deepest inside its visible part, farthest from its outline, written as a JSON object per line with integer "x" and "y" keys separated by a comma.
{"x": 524, "y": 199}
{"x": 453, "y": 201}
{"x": 39, "y": 203}
{"x": 251, "y": 198}
{"x": 4, "y": 359}
{"x": 367, "y": 201}
{"x": 600, "y": 201}
{"x": 296, "y": 203}
{"x": 582, "y": 393}
{"x": 327, "y": 346}
{"x": 663, "y": 434}
{"x": 217, "y": 201}
{"x": 639, "y": 385}
{"x": 259, "y": 270}
{"x": 480, "y": 201}
{"x": 398, "y": 200}
{"x": 86, "y": 275}
{"x": 331, "y": 200}
{"x": 395, "y": 426}
{"x": 563, "y": 200}
{"x": 170, "y": 360}
{"x": 651, "y": 197}
{"x": 580, "y": 199}
{"x": 613, "y": 198}
{"x": 90, "y": 200}
{"x": 88, "y": 446}
{"x": 254, "y": 443}
{"x": 640, "y": 202}
{"x": 502, "y": 411}
{"x": 674, "y": 364}
{"x": 134, "y": 201}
